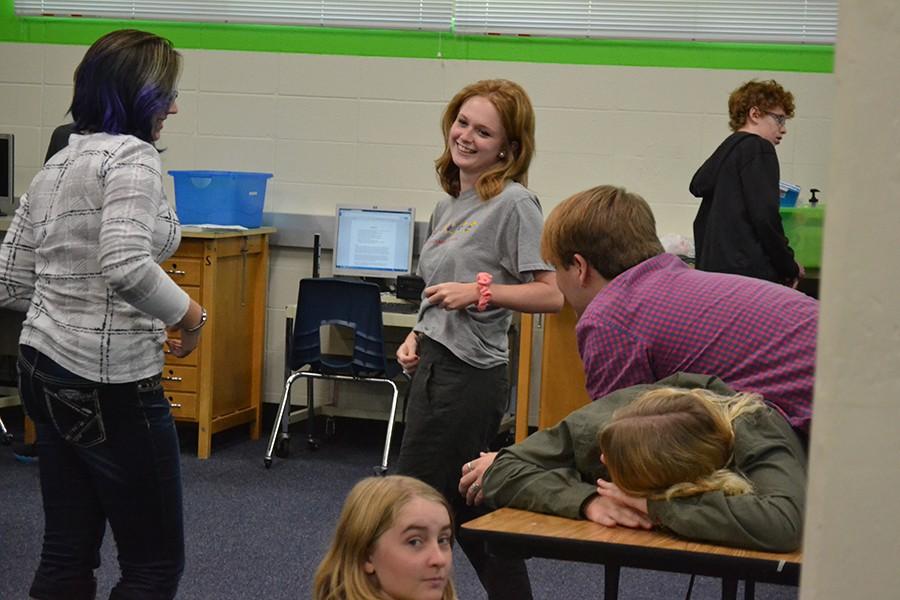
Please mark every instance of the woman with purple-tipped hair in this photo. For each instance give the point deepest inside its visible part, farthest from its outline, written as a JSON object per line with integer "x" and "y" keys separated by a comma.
{"x": 81, "y": 259}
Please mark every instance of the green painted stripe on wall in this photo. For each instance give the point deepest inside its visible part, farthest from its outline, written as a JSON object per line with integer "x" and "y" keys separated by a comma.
{"x": 428, "y": 45}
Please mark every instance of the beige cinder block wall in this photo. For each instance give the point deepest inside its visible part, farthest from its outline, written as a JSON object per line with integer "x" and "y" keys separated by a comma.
{"x": 852, "y": 526}
{"x": 345, "y": 129}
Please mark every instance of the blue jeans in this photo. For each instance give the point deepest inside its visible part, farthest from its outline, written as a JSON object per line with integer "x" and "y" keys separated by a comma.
{"x": 108, "y": 452}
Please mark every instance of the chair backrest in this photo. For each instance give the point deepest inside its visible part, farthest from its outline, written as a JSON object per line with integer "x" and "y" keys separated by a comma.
{"x": 352, "y": 304}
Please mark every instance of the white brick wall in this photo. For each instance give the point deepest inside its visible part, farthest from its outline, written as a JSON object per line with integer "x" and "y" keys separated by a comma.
{"x": 343, "y": 129}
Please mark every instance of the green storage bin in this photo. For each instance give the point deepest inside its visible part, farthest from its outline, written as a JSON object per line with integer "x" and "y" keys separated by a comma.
{"x": 803, "y": 228}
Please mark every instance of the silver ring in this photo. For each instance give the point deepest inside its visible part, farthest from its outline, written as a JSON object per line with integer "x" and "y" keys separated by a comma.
{"x": 475, "y": 488}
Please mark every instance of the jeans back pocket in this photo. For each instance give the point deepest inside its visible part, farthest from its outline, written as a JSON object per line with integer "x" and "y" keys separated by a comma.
{"x": 76, "y": 415}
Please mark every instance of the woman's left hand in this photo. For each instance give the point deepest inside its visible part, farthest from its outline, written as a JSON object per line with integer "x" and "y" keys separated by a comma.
{"x": 185, "y": 345}
{"x": 608, "y": 489}
{"x": 452, "y": 295}
{"x": 471, "y": 478}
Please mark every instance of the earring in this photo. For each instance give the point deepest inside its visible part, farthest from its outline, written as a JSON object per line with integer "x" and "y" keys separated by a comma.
{"x": 502, "y": 154}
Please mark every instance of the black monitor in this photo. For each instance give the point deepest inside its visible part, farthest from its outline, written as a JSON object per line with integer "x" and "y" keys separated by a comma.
{"x": 373, "y": 241}
{"x": 7, "y": 169}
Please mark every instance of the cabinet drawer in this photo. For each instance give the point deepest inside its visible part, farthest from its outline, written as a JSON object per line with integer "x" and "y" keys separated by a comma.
{"x": 184, "y": 406}
{"x": 184, "y": 271}
{"x": 179, "y": 378}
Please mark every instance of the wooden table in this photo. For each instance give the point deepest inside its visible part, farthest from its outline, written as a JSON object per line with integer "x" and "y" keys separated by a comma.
{"x": 523, "y": 534}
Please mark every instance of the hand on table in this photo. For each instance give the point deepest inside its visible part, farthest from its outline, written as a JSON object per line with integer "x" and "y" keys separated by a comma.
{"x": 610, "y": 490}
{"x": 471, "y": 480}
{"x": 614, "y": 507}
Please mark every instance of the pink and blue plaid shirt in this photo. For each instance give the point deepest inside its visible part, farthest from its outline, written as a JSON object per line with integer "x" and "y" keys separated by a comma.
{"x": 661, "y": 317}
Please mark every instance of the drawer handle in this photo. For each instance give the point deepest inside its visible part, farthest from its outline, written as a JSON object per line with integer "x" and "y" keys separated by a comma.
{"x": 173, "y": 271}
{"x": 172, "y": 378}
{"x": 174, "y": 404}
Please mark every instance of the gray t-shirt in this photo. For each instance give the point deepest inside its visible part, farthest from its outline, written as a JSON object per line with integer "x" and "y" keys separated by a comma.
{"x": 500, "y": 236}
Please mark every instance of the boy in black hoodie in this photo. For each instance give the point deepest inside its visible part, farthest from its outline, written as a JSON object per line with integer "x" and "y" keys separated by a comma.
{"x": 738, "y": 227}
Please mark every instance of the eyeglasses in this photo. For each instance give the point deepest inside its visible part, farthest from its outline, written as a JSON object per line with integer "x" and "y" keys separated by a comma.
{"x": 780, "y": 119}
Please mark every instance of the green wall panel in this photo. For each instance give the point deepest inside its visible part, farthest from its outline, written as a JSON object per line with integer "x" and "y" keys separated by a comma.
{"x": 428, "y": 45}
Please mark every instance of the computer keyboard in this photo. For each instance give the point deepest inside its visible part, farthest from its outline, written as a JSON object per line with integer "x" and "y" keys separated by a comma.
{"x": 403, "y": 308}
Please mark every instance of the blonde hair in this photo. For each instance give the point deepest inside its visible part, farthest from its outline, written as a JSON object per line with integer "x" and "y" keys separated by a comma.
{"x": 370, "y": 509}
{"x": 613, "y": 230}
{"x": 764, "y": 95}
{"x": 517, "y": 117}
{"x": 673, "y": 442}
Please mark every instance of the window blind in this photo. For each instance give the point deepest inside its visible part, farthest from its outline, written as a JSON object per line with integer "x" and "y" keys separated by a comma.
{"x": 792, "y": 21}
{"x": 432, "y": 15}
{"x": 786, "y": 21}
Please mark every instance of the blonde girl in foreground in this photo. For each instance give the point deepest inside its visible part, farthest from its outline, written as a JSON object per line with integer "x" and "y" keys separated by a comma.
{"x": 393, "y": 541}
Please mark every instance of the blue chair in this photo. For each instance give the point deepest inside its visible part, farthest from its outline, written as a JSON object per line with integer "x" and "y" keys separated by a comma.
{"x": 328, "y": 302}
{"x": 5, "y": 436}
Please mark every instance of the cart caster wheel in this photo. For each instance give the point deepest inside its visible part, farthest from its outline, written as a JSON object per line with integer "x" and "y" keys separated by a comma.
{"x": 268, "y": 462}
{"x": 282, "y": 448}
{"x": 312, "y": 444}
{"x": 379, "y": 471}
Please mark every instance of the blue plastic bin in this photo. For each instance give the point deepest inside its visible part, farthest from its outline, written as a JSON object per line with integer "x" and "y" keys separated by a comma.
{"x": 220, "y": 197}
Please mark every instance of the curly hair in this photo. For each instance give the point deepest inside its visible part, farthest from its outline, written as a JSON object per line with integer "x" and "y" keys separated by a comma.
{"x": 764, "y": 95}
{"x": 517, "y": 117}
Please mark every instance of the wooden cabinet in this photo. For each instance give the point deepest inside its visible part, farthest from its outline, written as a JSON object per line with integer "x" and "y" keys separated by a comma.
{"x": 550, "y": 370}
{"x": 219, "y": 385}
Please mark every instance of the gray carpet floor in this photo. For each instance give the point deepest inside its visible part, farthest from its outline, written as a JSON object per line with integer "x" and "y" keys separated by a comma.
{"x": 257, "y": 533}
